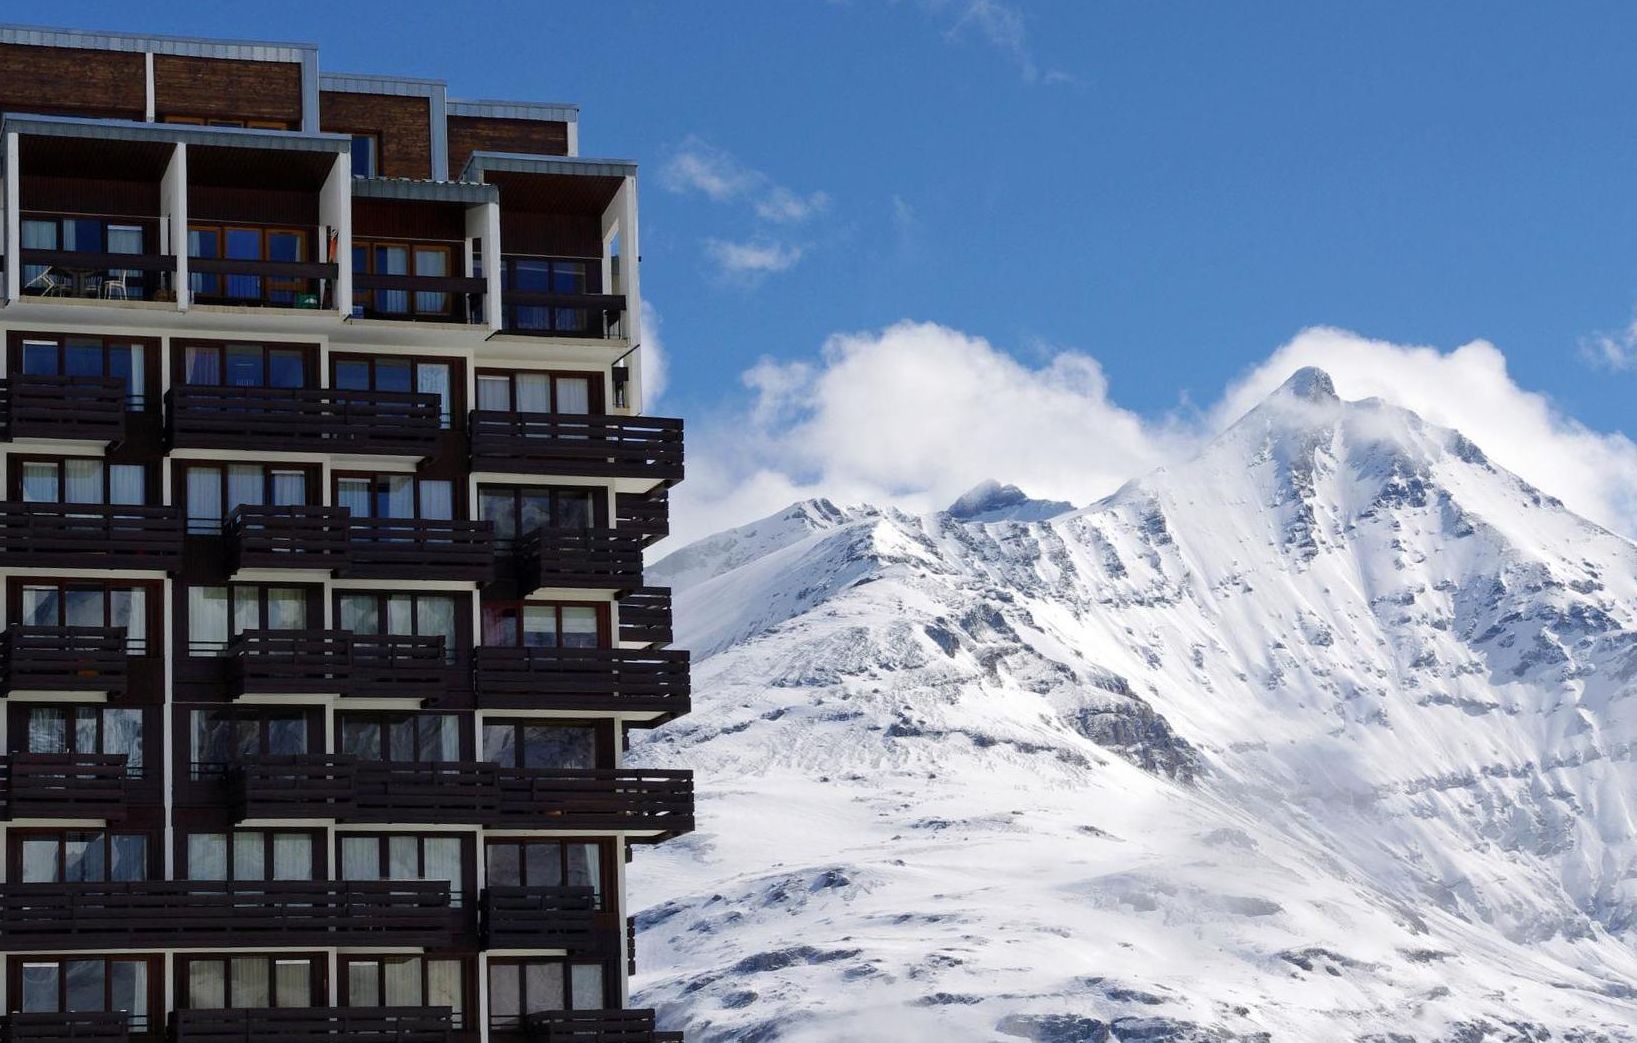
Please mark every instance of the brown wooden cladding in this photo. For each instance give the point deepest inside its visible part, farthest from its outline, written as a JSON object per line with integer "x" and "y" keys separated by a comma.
{"x": 398, "y": 219}
{"x": 469, "y": 134}
{"x": 109, "y": 197}
{"x": 553, "y": 235}
{"x": 72, "y": 82}
{"x": 218, "y": 88}
{"x": 314, "y": 1025}
{"x": 402, "y": 126}
{"x": 79, "y": 1027}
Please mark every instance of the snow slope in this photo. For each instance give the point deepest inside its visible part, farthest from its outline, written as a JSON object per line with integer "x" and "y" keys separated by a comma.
{"x": 1324, "y": 735}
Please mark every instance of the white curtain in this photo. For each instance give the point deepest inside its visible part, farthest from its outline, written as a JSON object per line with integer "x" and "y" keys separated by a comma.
{"x": 207, "y": 855}
{"x": 437, "y": 500}
{"x": 573, "y": 395}
{"x": 494, "y": 393}
{"x": 207, "y": 984}
{"x": 249, "y": 858}
{"x": 204, "y": 499}
{"x": 533, "y": 393}
{"x": 250, "y": 984}
{"x": 127, "y": 483}
{"x": 286, "y": 608}
{"x": 129, "y": 609}
{"x": 586, "y": 986}
{"x": 353, "y": 494}
{"x": 83, "y": 481}
{"x": 403, "y": 982}
{"x": 400, "y": 496}
{"x": 443, "y": 860}
{"x": 207, "y": 620}
{"x": 292, "y": 983}
{"x": 47, "y": 729}
{"x": 364, "y": 983}
{"x": 443, "y": 986}
{"x": 40, "y": 483}
{"x": 360, "y": 858}
{"x": 433, "y": 379}
{"x": 122, "y": 733}
{"x": 292, "y": 858}
{"x": 244, "y": 485}
{"x": 289, "y": 488}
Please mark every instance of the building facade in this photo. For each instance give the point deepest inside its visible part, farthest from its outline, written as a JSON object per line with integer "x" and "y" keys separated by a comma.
{"x": 327, "y": 486}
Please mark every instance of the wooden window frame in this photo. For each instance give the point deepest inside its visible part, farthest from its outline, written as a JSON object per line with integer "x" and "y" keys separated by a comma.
{"x": 604, "y": 630}
{"x": 318, "y": 977}
{"x": 457, "y": 489}
{"x": 384, "y": 719}
{"x": 320, "y": 868}
{"x": 468, "y": 974}
{"x": 155, "y": 1018}
{"x": 595, "y": 378}
{"x": 153, "y": 595}
{"x": 16, "y": 464}
{"x": 138, "y": 401}
{"x": 152, "y": 868}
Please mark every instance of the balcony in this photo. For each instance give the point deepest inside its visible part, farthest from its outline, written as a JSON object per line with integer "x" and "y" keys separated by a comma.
{"x": 63, "y": 786}
{"x": 264, "y": 537}
{"x": 564, "y": 444}
{"x": 580, "y": 316}
{"x": 63, "y": 659}
{"x": 79, "y": 1027}
{"x": 421, "y": 548}
{"x": 90, "y": 275}
{"x": 314, "y": 1025}
{"x": 419, "y": 298}
{"x": 645, "y": 617}
{"x": 164, "y": 913}
{"x": 595, "y": 680}
{"x": 75, "y": 409}
{"x": 647, "y": 515}
{"x": 343, "y": 788}
{"x": 543, "y": 918}
{"x": 592, "y": 1026}
{"x": 288, "y": 662}
{"x": 399, "y": 666}
{"x": 90, "y": 535}
{"x": 316, "y": 420}
{"x": 580, "y": 558}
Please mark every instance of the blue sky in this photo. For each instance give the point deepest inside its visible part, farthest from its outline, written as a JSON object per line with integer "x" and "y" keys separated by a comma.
{"x": 1174, "y": 190}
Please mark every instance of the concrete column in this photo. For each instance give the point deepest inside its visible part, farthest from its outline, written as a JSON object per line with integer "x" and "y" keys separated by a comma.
{"x": 173, "y": 223}
{"x": 13, "y": 222}
{"x": 335, "y": 214}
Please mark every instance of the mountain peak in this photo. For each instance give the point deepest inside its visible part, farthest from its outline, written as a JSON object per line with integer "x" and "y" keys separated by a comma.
{"x": 1310, "y": 384}
{"x": 989, "y": 501}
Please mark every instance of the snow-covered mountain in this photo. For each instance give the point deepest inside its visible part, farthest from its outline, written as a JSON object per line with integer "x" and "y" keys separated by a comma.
{"x": 1325, "y": 735}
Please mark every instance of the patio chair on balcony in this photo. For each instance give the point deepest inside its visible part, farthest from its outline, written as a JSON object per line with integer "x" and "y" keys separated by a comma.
{"x": 51, "y": 283}
{"x": 117, "y": 286}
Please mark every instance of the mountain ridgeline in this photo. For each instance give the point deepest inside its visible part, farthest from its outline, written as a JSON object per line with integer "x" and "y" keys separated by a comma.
{"x": 1325, "y": 734}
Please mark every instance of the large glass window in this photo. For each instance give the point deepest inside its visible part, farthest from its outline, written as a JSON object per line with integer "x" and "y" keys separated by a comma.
{"x": 248, "y": 243}
{"x": 251, "y": 854}
{"x": 76, "y": 984}
{"x": 215, "y": 613}
{"x": 217, "y": 982}
{"x": 395, "y": 496}
{"x": 383, "y": 373}
{"x": 542, "y": 625}
{"x": 396, "y": 257}
{"x": 244, "y": 365}
{"x": 422, "y": 737}
{"x": 81, "y": 356}
{"x": 422, "y": 615}
{"x": 217, "y": 738}
{"x": 519, "y": 510}
{"x": 548, "y": 277}
{"x": 212, "y": 491}
{"x": 405, "y": 981}
{"x": 403, "y": 856}
{"x": 80, "y": 480}
{"x": 518, "y": 988}
{"x": 525, "y": 391}
{"x": 85, "y": 857}
{"x": 545, "y": 863}
{"x": 89, "y": 604}
{"x": 526, "y": 744}
{"x": 111, "y": 730}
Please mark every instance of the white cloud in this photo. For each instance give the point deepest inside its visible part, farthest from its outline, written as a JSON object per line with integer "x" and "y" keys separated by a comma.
{"x": 655, "y": 371}
{"x": 752, "y": 260}
{"x": 701, "y": 167}
{"x": 1612, "y": 351}
{"x": 999, "y": 24}
{"x": 782, "y": 206}
{"x": 917, "y": 413}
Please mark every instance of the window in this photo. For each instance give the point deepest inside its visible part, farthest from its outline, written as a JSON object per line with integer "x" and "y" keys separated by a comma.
{"x": 405, "y": 981}
{"x": 403, "y": 856}
{"x": 425, "y": 615}
{"x": 525, "y": 744}
{"x": 253, "y": 607}
{"x": 81, "y": 984}
{"x": 244, "y": 365}
{"x": 217, "y": 738}
{"x": 88, "y": 604}
{"x": 519, "y": 510}
{"x": 366, "y": 150}
{"x": 426, "y": 260}
{"x": 250, "y": 244}
{"x": 109, "y": 730}
{"x": 409, "y": 738}
{"x": 85, "y": 235}
{"x": 382, "y": 373}
{"x": 210, "y": 492}
{"x": 528, "y": 392}
{"x": 82, "y": 857}
{"x": 216, "y": 982}
{"x": 395, "y": 496}
{"x": 91, "y": 357}
{"x": 80, "y": 480}
{"x": 518, "y": 988}
{"x": 250, "y": 854}
{"x": 555, "y": 276}
{"x": 545, "y": 863}
{"x": 543, "y": 625}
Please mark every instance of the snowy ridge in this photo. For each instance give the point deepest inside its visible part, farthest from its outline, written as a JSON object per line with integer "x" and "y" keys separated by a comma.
{"x": 1323, "y": 735}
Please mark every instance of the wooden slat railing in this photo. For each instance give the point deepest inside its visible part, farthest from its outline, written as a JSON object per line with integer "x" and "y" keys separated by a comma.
{"x": 584, "y": 1026}
{"x": 63, "y": 659}
{"x": 311, "y": 786}
{"x": 81, "y": 409}
{"x": 596, "y": 316}
{"x": 95, "y": 535}
{"x": 314, "y": 1025}
{"x": 421, "y": 548}
{"x": 399, "y": 666}
{"x": 621, "y": 798}
{"x": 601, "y": 680}
{"x": 542, "y": 918}
{"x": 288, "y": 537}
{"x": 580, "y": 558}
{"x": 77, "y": 1027}
{"x": 646, "y": 514}
{"x": 569, "y": 444}
{"x": 288, "y": 662}
{"x": 57, "y": 916}
{"x": 303, "y": 419}
{"x": 645, "y": 616}
{"x": 63, "y": 785}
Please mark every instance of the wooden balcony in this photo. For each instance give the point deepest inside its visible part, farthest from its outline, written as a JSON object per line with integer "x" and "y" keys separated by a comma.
{"x": 76, "y": 409}
{"x": 288, "y": 662}
{"x": 317, "y": 420}
{"x": 63, "y": 786}
{"x": 463, "y": 295}
{"x": 258, "y": 282}
{"x": 591, "y": 1026}
{"x": 595, "y": 680}
{"x": 171, "y": 913}
{"x": 63, "y": 659}
{"x": 78, "y": 1027}
{"x": 265, "y": 537}
{"x": 645, "y": 616}
{"x": 421, "y": 548}
{"x": 645, "y": 514}
{"x": 90, "y": 535}
{"x": 80, "y": 274}
{"x": 593, "y": 446}
{"x": 314, "y": 1025}
{"x": 399, "y": 666}
{"x": 608, "y": 559}
{"x": 580, "y": 316}
{"x": 543, "y": 918}
{"x": 335, "y": 786}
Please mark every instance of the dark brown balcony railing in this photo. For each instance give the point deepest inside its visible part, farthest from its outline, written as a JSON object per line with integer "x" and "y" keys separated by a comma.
{"x": 63, "y": 659}
{"x": 94, "y": 535}
{"x": 63, "y": 786}
{"x": 324, "y": 786}
{"x": 595, "y": 316}
{"x": 645, "y": 514}
{"x": 265, "y": 537}
{"x": 586, "y": 1026}
{"x": 77, "y": 1027}
{"x": 80, "y": 409}
{"x": 421, "y": 548}
{"x": 458, "y": 298}
{"x": 394, "y": 423}
{"x": 601, "y": 680}
{"x": 57, "y": 916}
{"x": 597, "y": 446}
{"x": 630, "y": 945}
{"x": 398, "y": 666}
{"x": 256, "y": 281}
{"x": 85, "y": 274}
{"x": 645, "y": 616}
{"x": 542, "y": 918}
{"x": 314, "y": 1025}
{"x": 596, "y": 558}
{"x": 288, "y": 662}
